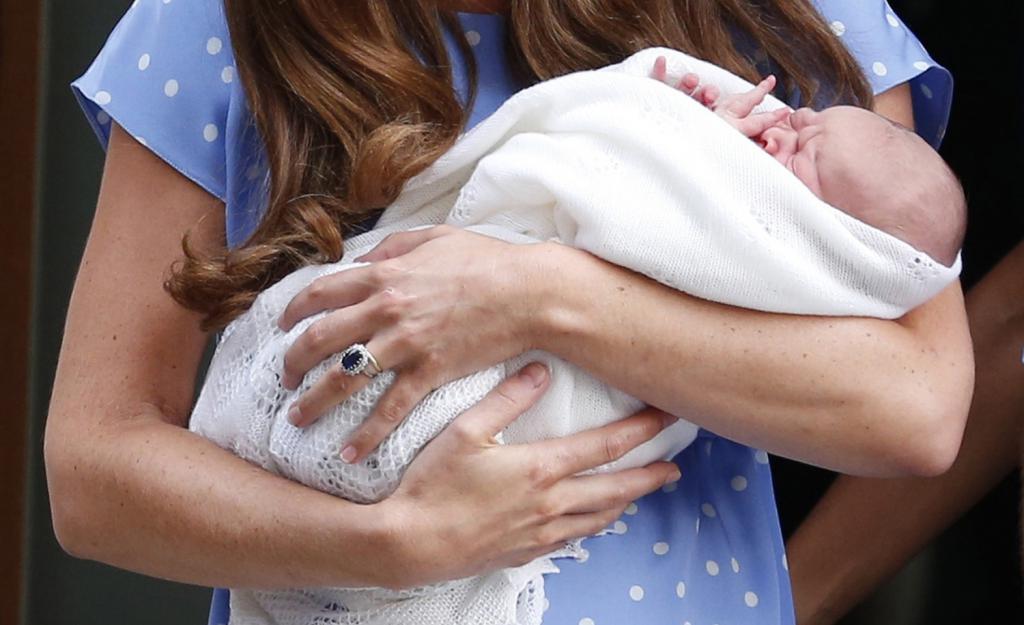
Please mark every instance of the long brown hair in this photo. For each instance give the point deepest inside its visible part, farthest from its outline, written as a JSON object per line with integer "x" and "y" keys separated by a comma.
{"x": 352, "y": 98}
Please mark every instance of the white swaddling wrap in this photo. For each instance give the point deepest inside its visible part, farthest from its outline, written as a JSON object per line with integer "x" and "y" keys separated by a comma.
{"x": 609, "y": 161}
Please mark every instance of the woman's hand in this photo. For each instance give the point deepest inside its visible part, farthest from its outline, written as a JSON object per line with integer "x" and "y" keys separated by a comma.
{"x": 433, "y": 305}
{"x": 469, "y": 505}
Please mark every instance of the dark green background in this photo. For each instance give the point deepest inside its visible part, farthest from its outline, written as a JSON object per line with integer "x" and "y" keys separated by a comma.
{"x": 61, "y": 589}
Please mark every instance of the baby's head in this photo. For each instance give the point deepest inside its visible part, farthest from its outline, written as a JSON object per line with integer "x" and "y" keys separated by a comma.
{"x": 875, "y": 171}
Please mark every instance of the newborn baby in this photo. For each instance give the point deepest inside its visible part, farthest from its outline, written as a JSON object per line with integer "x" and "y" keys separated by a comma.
{"x": 636, "y": 173}
{"x": 867, "y": 166}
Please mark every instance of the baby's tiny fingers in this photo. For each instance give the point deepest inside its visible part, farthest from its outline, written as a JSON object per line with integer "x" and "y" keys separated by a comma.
{"x": 709, "y": 95}
{"x": 660, "y": 69}
{"x": 689, "y": 83}
{"x": 754, "y": 125}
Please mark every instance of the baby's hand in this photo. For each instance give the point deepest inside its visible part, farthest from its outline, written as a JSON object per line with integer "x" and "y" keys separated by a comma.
{"x": 737, "y": 109}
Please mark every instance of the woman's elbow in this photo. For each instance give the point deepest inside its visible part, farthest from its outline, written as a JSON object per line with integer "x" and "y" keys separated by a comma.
{"x": 67, "y": 484}
{"x": 933, "y": 428}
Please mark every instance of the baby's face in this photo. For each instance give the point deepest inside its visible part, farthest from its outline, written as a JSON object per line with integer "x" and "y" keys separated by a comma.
{"x": 875, "y": 171}
{"x": 844, "y": 154}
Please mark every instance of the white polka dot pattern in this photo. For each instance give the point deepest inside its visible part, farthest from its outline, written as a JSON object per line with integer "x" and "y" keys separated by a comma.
{"x": 168, "y": 77}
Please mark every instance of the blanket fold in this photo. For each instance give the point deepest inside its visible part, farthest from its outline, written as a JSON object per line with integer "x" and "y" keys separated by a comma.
{"x": 609, "y": 161}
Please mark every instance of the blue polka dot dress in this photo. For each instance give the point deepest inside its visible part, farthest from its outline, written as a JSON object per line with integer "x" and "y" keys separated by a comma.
{"x": 707, "y": 550}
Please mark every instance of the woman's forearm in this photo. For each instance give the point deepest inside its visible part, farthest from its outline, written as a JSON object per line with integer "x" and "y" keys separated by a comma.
{"x": 865, "y": 530}
{"x": 131, "y": 487}
{"x": 857, "y": 395}
{"x": 128, "y": 484}
{"x": 151, "y": 497}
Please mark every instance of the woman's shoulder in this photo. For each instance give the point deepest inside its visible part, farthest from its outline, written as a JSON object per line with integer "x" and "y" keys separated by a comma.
{"x": 167, "y": 76}
{"x": 890, "y": 54}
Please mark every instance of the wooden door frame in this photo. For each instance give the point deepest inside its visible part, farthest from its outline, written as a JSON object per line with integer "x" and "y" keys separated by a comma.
{"x": 20, "y": 27}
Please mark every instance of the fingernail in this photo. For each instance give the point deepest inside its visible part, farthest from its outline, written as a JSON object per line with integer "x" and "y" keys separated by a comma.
{"x": 673, "y": 477}
{"x": 294, "y": 415}
{"x": 667, "y": 420}
{"x": 536, "y": 373}
{"x": 348, "y": 454}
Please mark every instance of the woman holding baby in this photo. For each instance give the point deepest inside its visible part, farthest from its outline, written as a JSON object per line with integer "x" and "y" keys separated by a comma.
{"x": 342, "y": 103}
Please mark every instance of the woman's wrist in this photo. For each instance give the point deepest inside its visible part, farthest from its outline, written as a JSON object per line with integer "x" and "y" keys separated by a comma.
{"x": 387, "y": 534}
{"x": 552, "y": 311}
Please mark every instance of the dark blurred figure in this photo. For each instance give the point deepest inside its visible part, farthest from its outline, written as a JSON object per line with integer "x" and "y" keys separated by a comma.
{"x": 972, "y": 573}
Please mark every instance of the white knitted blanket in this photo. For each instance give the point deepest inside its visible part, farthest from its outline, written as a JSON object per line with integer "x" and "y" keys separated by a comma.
{"x": 610, "y": 161}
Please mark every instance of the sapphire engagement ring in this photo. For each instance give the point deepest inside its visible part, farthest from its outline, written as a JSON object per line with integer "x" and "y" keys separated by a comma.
{"x": 357, "y": 359}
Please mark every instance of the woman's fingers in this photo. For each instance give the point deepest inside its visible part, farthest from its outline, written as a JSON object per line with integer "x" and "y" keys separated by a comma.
{"x": 402, "y": 243}
{"x": 331, "y": 389}
{"x": 478, "y": 425}
{"x": 595, "y": 493}
{"x": 574, "y": 454}
{"x": 503, "y": 405}
{"x": 573, "y": 526}
{"x": 337, "y": 290}
{"x": 391, "y": 409}
{"x": 336, "y": 332}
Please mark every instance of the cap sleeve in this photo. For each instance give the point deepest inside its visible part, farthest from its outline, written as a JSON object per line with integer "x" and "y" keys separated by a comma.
{"x": 166, "y": 75}
{"x": 890, "y": 55}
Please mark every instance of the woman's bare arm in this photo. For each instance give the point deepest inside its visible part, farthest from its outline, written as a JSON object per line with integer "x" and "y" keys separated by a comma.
{"x": 854, "y": 539}
{"x": 840, "y": 382}
{"x": 126, "y": 480}
{"x": 857, "y": 395}
{"x": 131, "y": 487}
{"x": 865, "y": 530}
